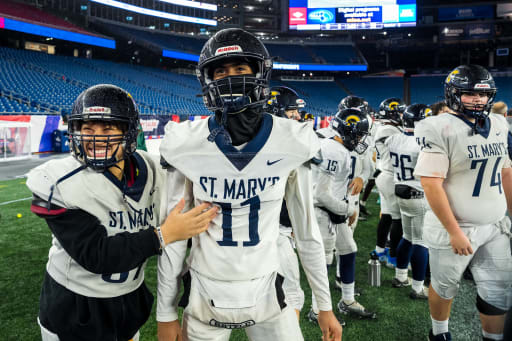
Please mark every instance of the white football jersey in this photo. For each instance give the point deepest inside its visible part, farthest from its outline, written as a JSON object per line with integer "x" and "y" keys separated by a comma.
{"x": 403, "y": 151}
{"x": 332, "y": 176}
{"x": 248, "y": 185}
{"x": 473, "y": 180}
{"x": 94, "y": 193}
{"x": 383, "y": 159}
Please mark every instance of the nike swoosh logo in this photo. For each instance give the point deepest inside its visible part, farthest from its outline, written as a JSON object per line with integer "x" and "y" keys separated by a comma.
{"x": 270, "y": 163}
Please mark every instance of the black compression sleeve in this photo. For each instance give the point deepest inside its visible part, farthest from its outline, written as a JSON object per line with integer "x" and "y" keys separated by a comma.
{"x": 87, "y": 242}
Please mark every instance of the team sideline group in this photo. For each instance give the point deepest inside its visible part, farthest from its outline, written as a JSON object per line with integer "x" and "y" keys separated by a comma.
{"x": 234, "y": 200}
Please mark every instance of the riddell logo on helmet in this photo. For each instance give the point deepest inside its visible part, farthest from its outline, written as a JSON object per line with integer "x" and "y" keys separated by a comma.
{"x": 482, "y": 86}
{"x": 228, "y": 49}
{"x": 97, "y": 110}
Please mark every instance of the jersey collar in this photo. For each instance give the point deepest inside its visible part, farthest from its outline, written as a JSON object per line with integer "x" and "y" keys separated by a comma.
{"x": 482, "y": 130}
{"x": 241, "y": 158}
{"x": 136, "y": 190}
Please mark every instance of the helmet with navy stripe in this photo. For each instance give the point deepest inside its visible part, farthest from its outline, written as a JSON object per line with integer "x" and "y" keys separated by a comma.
{"x": 470, "y": 79}
{"x": 353, "y": 126}
{"x": 415, "y": 113}
{"x": 233, "y": 94}
{"x": 111, "y": 105}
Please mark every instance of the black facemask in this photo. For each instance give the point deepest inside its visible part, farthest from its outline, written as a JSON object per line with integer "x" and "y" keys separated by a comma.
{"x": 242, "y": 127}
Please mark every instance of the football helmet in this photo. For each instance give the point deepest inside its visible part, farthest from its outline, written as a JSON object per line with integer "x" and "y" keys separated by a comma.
{"x": 233, "y": 94}
{"x": 391, "y": 110}
{"x": 469, "y": 79}
{"x": 282, "y": 99}
{"x": 354, "y": 102}
{"x": 104, "y": 103}
{"x": 352, "y": 125}
{"x": 414, "y": 113}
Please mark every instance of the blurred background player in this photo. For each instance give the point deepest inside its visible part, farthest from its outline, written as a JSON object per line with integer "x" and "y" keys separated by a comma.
{"x": 346, "y": 133}
{"x": 404, "y": 150}
{"x": 390, "y": 117}
{"x": 465, "y": 172}
{"x": 280, "y": 105}
{"x": 285, "y": 102}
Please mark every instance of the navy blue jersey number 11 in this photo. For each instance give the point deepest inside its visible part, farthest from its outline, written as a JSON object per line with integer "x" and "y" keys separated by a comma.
{"x": 227, "y": 223}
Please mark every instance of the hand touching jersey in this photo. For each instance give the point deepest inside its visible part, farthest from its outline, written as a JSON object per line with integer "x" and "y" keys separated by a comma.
{"x": 181, "y": 226}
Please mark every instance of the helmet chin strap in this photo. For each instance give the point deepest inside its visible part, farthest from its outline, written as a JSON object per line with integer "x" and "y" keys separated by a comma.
{"x": 222, "y": 129}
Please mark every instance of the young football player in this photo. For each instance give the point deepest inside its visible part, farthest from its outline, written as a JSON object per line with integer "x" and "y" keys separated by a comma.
{"x": 245, "y": 161}
{"x": 285, "y": 102}
{"x": 333, "y": 177}
{"x": 390, "y": 116}
{"x": 103, "y": 206}
{"x": 361, "y": 163}
{"x": 465, "y": 172}
{"x": 404, "y": 150}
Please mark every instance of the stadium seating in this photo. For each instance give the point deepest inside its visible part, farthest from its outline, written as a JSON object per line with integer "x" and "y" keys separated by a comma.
{"x": 33, "y": 14}
{"x": 427, "y": 89}
{"x": 375, "y": 89}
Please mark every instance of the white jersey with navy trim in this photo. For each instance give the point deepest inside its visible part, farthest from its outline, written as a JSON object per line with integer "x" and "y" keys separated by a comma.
{"x": 248, "y": 185}
{"x": 383, "y": 132}
{"x": 333, "y": 175}
{"x": 404, "y": 150}
{"x": 98, "y": 195}
{"x": 473, "y": 180}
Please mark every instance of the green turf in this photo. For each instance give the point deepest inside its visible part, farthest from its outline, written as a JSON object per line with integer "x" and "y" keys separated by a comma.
{"x": 24, "y": 244}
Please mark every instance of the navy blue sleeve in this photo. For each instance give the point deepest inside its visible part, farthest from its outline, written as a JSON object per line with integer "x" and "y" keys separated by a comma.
{"x": 86, "y": 241}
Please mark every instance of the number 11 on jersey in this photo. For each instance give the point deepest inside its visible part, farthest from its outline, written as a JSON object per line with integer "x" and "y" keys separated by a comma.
{"x": 227, "y": 223}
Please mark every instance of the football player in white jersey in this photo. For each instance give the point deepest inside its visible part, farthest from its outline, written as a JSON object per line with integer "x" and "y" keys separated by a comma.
{"x": 465, "y": 172}
{"x": 404, "y": 150}
{"x": 361, "y": 164}
{"x": 390, "y": 117}
{"x": 284, "y": 102}
{"x": 245, "y": 161}
{"x": 103, "y": 207}
{"x": 346, "y": 133}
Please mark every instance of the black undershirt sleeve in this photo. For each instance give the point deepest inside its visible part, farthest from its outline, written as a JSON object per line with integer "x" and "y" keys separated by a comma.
{"x": 87, "y": 242}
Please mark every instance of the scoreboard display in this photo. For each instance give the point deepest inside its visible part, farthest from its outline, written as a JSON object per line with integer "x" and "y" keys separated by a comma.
{"x": 320, "y": 15}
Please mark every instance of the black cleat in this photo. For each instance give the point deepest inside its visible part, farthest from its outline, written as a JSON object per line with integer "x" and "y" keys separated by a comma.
{"x": 440, "y": 337}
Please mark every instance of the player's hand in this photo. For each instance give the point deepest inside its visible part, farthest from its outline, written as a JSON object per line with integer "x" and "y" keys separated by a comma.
{"x": 169, "y": 331}
{"x": 331, "y": 328}
{"x": 181, "y": 226}
{"x": 356, "y": 185}
{"x": 352, "y": 218}
{"x": 461, "y": 244}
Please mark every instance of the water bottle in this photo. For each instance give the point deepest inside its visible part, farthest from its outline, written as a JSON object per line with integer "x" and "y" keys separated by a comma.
{"x": 374, "y": 270}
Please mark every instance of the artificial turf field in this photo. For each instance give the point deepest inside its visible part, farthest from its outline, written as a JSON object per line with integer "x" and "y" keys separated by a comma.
{"x": 24, "y": 244}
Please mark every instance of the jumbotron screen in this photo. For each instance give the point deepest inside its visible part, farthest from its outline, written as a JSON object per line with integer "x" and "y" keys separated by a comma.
{"x": 320, "y": 15}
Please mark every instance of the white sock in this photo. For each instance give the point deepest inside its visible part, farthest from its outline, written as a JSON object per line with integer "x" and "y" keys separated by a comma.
{"x": 417, "y": 286}
{"x": 347, "y": 292}
{"x": 362, "y": 203}
{"x": 439, "y": 327}
{"x": 314, "y": 305}
{"x": 492, "y": 336}
{"x": 379, "y": 249}
{"x": 401, "y": 274}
